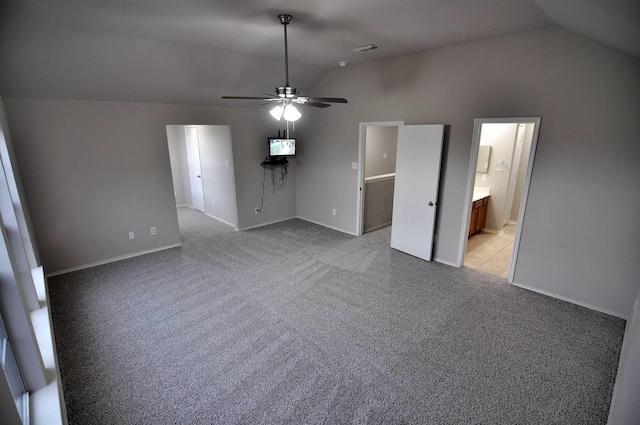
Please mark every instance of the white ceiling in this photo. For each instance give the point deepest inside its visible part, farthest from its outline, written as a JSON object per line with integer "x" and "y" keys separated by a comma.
{"x": 195, "y": 51}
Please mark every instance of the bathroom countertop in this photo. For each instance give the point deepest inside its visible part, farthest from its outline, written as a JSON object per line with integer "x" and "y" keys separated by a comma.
{"x": 480, "y": 192}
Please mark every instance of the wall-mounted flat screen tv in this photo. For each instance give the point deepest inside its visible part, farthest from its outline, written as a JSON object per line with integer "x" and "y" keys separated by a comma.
{"x": 282, "y": 147}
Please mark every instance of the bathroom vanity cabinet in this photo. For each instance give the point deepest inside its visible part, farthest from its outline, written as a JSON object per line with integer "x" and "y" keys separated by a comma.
{"x": 478, "y": 215}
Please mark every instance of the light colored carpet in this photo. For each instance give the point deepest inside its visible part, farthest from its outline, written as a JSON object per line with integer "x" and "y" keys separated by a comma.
{"x": 295, "y": 323}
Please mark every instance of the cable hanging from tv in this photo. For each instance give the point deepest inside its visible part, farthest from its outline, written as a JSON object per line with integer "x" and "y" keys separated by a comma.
{"x": 279, "y": 150}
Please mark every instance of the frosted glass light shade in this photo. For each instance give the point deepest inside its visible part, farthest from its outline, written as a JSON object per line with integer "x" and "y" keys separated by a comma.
{"x": 291, "y": 113}
{"x": 277, "y": 112}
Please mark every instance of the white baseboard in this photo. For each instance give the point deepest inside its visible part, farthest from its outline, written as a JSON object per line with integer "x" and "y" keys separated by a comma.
{"x": 221, "y": 220}
{"x": 112, "y": 260}
{"x": 379, "y": 226}
{"x": 448, "y": 263}
{"x": 183, "y": 205}
{"x": 266, "y": 224}
{"x": 572, "y": 301}
{"x": 327, "y": 226}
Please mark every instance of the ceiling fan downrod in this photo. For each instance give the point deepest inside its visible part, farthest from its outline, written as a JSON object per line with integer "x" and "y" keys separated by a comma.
{"x": 284, "y": 20}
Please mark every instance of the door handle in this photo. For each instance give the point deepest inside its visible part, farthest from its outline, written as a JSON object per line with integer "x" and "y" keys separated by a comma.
{"x": 430, "y": 203}
{"x": 198, "y": 176}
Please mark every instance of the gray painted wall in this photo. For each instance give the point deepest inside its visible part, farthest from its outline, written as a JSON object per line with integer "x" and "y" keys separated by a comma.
{"x": 93, "y": 171}
{"x": 378, "y": 141}
{"x": 624, "y": 405}
{"x": 580, "y": 237}
{"x": 378, "y": 204}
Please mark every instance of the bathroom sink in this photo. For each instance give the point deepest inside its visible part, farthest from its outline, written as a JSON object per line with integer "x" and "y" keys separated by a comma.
{"x": 480, "y": 192}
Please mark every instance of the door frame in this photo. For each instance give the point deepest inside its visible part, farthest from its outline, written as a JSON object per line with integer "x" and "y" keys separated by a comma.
{"x": 466, "y": 216}
{"x": 361, "y": 163}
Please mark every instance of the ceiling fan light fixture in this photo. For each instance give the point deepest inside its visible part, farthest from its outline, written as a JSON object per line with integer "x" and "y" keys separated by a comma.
{"x": 276, "y": 112}
{"x": 286, "y": 95}
{"x": 291, "y": 113}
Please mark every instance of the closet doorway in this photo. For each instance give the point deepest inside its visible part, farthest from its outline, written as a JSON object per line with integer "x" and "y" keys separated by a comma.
{"x": 502, "y": 156}
{"x": 376, "y": 174}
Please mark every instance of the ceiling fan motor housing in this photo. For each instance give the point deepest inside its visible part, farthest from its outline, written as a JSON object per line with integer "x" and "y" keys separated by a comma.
{"x": 287, "y": 92}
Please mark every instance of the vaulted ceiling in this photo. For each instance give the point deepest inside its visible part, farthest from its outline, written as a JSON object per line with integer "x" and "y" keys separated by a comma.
{"x": 195, "y": 51}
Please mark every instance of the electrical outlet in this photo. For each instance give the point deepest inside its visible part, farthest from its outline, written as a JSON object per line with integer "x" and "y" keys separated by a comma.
{"x": 153, "y": 230}
{"x": 484, "y": 177}
{"x": 213, "y": 203}
{"x": 333, "y": 211}
{"x": 226, "y": 162}
{"x": 384, "y": 155}
{"x": 354, "y": 165}
{"x": 257, "y": 210}
{"x": 131, "y": 235}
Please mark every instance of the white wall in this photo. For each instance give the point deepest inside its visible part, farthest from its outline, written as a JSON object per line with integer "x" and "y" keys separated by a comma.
{"x": 93, "y": 171}
{"x": 501, "y": 137}
{"x": 580, "y": 237}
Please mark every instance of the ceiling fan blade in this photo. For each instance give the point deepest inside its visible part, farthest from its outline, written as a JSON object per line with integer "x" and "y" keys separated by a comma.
{"x": 327, "y": 99}
{"x": 246, "y": 98}
{"x": 316, "y": 104}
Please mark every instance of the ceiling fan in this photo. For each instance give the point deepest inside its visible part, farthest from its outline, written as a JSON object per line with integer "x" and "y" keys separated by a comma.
{"x": 286, "y": 96}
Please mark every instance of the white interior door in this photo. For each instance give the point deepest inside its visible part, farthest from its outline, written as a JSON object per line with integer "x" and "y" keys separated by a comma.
{"x": 416, "y": 189}
{"x": 195, "y": 171}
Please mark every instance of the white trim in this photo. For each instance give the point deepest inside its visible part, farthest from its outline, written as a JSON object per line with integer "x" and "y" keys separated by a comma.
{"x": 360, "y": 175}
{"x": 570, "y": 300}
{"x": 327, "y": 226}
{"x": 255, "y": 226}
{"x": 448, "y": 263}
{"x": 221, "y": 220}
{"x": 113, "y": 260}
{"x": 183, "y": 205}
{"x": 47, "y": 405}
{"x": 379, "y": 178}
{"x": 378, "y": 226}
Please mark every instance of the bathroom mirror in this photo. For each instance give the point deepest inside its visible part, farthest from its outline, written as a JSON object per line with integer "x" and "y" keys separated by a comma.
{"x": 484, "y": 151}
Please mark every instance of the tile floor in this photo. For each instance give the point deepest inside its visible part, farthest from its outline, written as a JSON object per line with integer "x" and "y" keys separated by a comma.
{"x": 490, "y": 252}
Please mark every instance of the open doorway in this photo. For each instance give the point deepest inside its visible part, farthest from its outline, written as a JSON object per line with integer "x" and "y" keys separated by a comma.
{"x": 376, "y": 174}
{"x": 499, "y": 173}
{"x": 201, "y": 158}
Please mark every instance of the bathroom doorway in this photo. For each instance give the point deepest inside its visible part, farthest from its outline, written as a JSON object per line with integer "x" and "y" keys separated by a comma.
{"x": 502, "y": 156}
